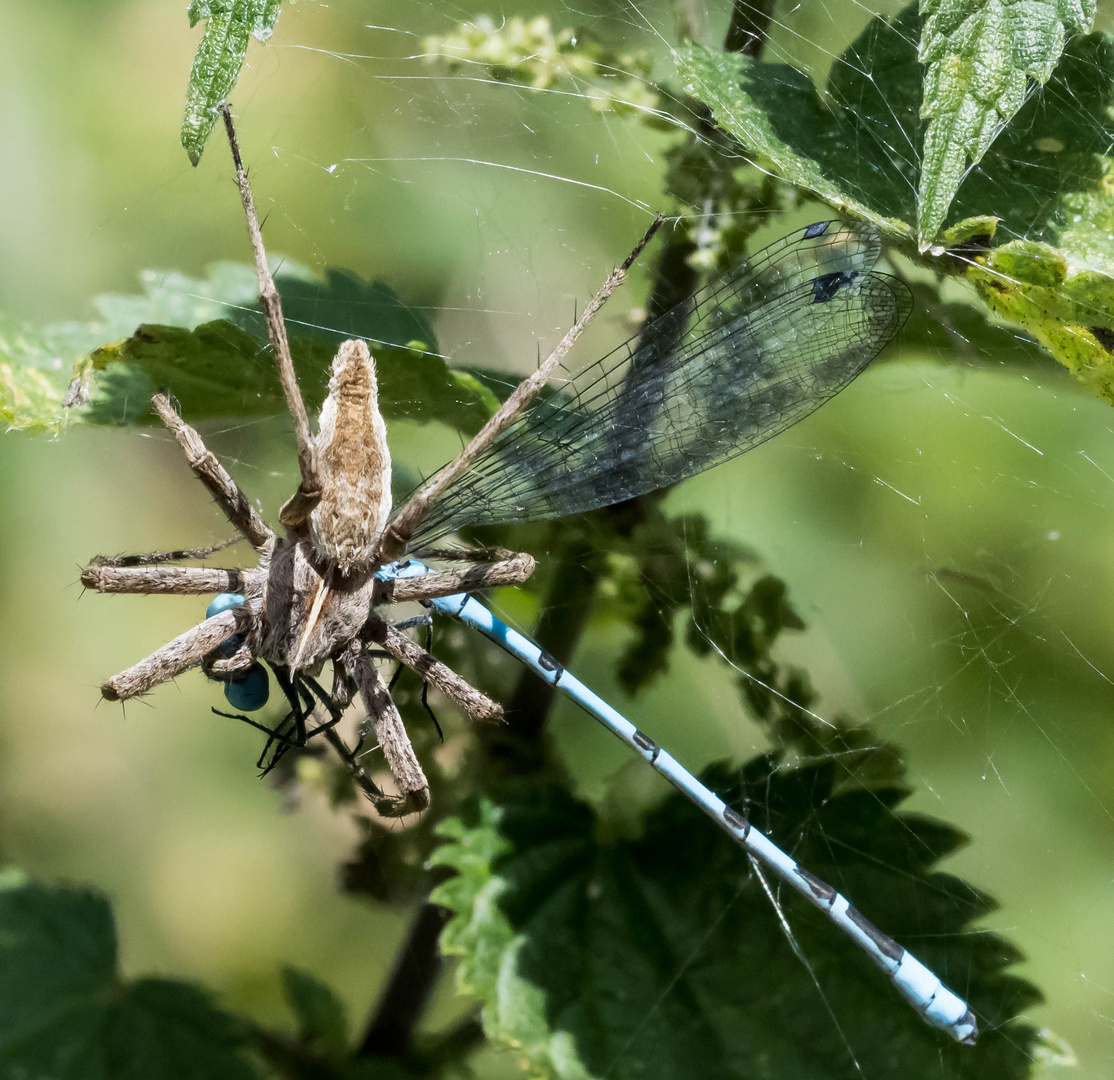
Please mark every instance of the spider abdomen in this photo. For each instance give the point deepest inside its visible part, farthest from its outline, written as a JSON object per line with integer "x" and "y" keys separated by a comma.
{"x": 353, "y": 462}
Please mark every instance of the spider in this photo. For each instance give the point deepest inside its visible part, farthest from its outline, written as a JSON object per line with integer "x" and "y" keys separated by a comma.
{"x": 313, "y": 596}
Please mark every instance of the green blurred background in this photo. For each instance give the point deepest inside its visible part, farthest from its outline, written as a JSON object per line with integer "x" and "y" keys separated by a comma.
{"x": 945, "y": 529}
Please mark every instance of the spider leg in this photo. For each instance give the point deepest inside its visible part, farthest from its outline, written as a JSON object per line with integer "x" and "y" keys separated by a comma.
{"x": 222, "y": 668}
{"x": 468, "y": 554}
{"x": 152, "y": 558}
{"x": 177, "y": 580}
{"x": 175, "y": 656}
{"x": 512, "y": 570}
{"x": 296, "y": 512}
{"x": 406, "y": 624}
{"x": 425, "y": 620}
{"x": 475, "y": 703}
{"x": 397, "y": 534}
{"x": 383, "y": 715}
{"x": 344, "y": 687}
{"x": 232, "y": 501}
{"x": 425, "y": 685}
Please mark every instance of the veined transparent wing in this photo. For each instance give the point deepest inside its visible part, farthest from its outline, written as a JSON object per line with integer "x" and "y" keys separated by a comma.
{"x": 740, "y": 361}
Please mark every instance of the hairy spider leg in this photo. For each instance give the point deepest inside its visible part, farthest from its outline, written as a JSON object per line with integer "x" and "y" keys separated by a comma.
{"x": 154, "y": 558}
{"x": 409, "y": 624}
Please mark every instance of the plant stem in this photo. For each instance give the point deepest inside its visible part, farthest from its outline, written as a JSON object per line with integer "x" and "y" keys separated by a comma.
{"x": 390, "y": 1032}
{"x": 747, "y": 31}
{"x": 563, "y": 616}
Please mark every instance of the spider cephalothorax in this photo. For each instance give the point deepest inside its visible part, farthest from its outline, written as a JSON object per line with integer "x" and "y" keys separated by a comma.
{"x": 314, "y": 595}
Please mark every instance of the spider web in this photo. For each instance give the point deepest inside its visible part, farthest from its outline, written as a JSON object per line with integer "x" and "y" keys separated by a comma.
{"x": 941, "y": 525}
{"x": 938, "y": 525}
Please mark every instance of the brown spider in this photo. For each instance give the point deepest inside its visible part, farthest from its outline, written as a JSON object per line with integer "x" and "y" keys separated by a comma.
{"x": 312, "y": 595}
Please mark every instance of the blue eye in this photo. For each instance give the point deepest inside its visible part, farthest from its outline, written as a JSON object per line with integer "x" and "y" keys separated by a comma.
{"x": 249, "y": 691}
{"x": 229, "y": 646}
{"x": 223, "y": 602}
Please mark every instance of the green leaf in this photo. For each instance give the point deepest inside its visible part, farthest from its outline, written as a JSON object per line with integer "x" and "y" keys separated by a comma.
{"x": 981, "y": 57}
{"x": 1047, "y": 176}
{"x": 1070, "y": 312}
{"x": 205, "y": 340}
{"x": 858, "y": 156}
{"x": 66, "y": 1014}
{"x": 33, "y": 377}
{"x": 858, "y": 145}
{"x": 662, "y": 958}
{"x": 322, "y": 1023}
{"x": 221, "y": 366}
{"x": 229, "y": 24}
{"x": 218, "y": 370}
{"x": 39, "y": 389}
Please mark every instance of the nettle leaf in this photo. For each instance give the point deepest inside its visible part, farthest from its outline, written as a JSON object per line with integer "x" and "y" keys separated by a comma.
{"x": 981, "y": 58}
{"x": 205, "y": 341}
{"x": 858, "y": 145}
{"x": 1049, "y": 166}
{"x": 219, "y": 370}
{"x": 39, "y": 389}
{"x": 662, "y": 957}
{"x": 66, "y": 1013}
{"x": 861, "y": 155}
{"x": 229, "y": 25}
{"x": 1049, "y": 179}
{"x": 34, "y": 370}
{"x": 1070, "y": 312}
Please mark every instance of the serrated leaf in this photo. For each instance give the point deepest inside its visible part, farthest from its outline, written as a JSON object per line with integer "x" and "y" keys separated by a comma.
{"x": 981, "y": 57}
{"x": 1070, "y": 312}
{"x": 661, "y": 958}
{"x": 322, "y": 1022}
{"x": 37, "y": 366}
{"x": 218, "y": 370}
{"x": 66, "y": 1014}
{"x": 229, "y": 25}
{"x": 1047, "y": 176}
{"x": 859, "y": 145}
{"x": 860, "y": 155}
{"x": 205, "y": 340}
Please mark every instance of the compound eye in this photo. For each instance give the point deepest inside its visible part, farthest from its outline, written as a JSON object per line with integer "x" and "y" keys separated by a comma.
{"x": 223, "y": 602}
{"x": 249, "y": 691}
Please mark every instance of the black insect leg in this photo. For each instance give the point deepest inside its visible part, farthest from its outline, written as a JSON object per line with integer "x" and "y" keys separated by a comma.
{"x": 301, "y": 706}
